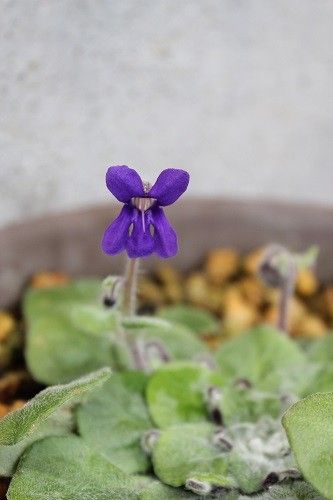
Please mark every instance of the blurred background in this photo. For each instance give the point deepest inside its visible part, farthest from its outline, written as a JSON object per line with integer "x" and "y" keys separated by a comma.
{"x": 238, "y": 92}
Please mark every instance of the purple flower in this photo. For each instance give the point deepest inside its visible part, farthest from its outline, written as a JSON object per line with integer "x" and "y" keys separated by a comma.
{"x": 141, "y": 228}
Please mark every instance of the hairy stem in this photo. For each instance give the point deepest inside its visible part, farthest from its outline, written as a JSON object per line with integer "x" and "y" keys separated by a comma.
{"x": 130, "y": 287}
{"x": 129, "y": 309}
{"x": 287, "y": 291}
{"x": 154, "y": 349}
{"x": 137, "y": 356}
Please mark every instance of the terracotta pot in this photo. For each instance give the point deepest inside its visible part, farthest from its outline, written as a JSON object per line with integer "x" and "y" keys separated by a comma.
{"x": 70, "y": 241}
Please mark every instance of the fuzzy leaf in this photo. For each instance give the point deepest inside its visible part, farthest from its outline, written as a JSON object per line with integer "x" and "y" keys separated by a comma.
{"x": 65, "y": 468}
{"x": 307, "y": 259}
{"x": 309, "y": 426}
{"x": 68, "y": 331}
{"x": 44, "y": 415}
{"x": 319, "y": 378}
{"x": 160, "y": 491}
{"x": 183, "y": 451}
{"x": 139, "y": 322}
{"x": 21, "y": 423}
{"x": 178, "y": 341}
{"x": 176, "y": 393}
{"x": 296, "y": 490}
{"x": 192, "y": 452}
{"x": 114, "y": 419}
{"x": 248, "y": 404}
{"x": 195, "y": 319}
{"x": 258, "y": 450}
{"x": 264, "y": 356}
{"x": 321, "y": 350}
{"x": 58, "y": 423}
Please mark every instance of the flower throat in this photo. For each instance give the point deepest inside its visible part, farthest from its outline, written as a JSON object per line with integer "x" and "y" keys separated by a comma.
{"x": 143, "y": 204}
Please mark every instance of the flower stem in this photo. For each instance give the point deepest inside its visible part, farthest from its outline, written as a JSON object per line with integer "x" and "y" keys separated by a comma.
{"x": 130, "y": 287}
{"x": 287, "y": 290}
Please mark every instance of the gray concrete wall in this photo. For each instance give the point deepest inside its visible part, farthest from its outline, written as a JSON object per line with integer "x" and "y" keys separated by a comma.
{"x": 239, "y": 92}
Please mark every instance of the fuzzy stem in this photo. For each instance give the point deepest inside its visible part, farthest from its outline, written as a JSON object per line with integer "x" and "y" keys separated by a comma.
{"x": 287, "y": 291}
{"x": 130, "y": 287}
{"x": 155, "y": 347}
{"x": 128, "y": 307}
{"x": 138, "y": 359}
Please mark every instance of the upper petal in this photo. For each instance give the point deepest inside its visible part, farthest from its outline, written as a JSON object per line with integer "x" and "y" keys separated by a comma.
{"x": 124, "y": 183}
{"x": 140, "y": 243}
{"x": 116, "y": 235}
{"x": 165, "y": 236}
{"x": 170, "y": 185}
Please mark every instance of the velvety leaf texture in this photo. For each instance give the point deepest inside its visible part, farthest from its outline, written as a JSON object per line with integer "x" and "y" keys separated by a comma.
{"x": 114, "y": 419}
{"x": 185, "y": 450}
{"x": 68, "y": 331}
{"x": 178, "y": 341}
{"x": 65, "y": 468}
{"x": 264, "y": 356}
{"x": 196, "y": 320}
{"x": 21, "y": 423}
{"x": 322, "y": 350}
{"x": 176, "y": 393}
{"x": 159, "y": 491}
{"x": 58, "y": 423}
{"x": 191, "y": 452}
{"x": 309, "y": 426}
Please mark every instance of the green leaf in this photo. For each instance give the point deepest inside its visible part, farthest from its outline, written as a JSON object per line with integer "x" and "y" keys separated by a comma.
{"x": 160, "y": 491}
{"x": 20, "y": 423}
{"x": 322, "y": 350}
{"x": 65, "y": 468}
{"x": 248, "y": 404}
{"x": 92, "y": 318}
{"x": 176, "y": 393}
{"x": 178, "y": 341}
{"x": 296, "y": 490}
{"x": 42, "y": 416}
{"x": 309, "y": 426}
{"x": 191, "y": 452}
{"x": 318, "y": 378}
{"x": 183, "y": 451}
{"x": 306, "y": 259}
{"x": 136, "y": 323}
{"x": 264, "y": 356}
{"x": 58, "y": 423}
{"x": 195, "y": 319}
{"x": 114, "y": 419}
{"x": 68, "y": 331}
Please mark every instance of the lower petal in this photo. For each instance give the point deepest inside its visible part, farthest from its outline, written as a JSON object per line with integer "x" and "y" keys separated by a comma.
{"x": 165, "y": 236}
{"x": 140, "y": 243}
{"x": 116, "y": 235}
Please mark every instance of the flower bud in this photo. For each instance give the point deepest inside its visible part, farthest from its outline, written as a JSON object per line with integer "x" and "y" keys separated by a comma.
{"x": 220, "y": 440}
{"x": 274, "y": 266}
{"x": 213, "y": 398}
{"x": 111, "y": 290}
{"x": 149, "y": 439}
{"x": 198, "y": 487}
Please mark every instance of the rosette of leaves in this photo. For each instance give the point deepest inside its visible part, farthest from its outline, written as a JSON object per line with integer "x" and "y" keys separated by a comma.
{"x": 182, "y": 429}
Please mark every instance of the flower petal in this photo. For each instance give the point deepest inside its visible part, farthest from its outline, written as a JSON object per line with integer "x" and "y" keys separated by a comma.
{"x": 116, "y": 235}
{"x": 140, "y": 243}
{"x": 165, "y": 236}
{"x": 124, "y": 183}
{"x": 170, "y": 185}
